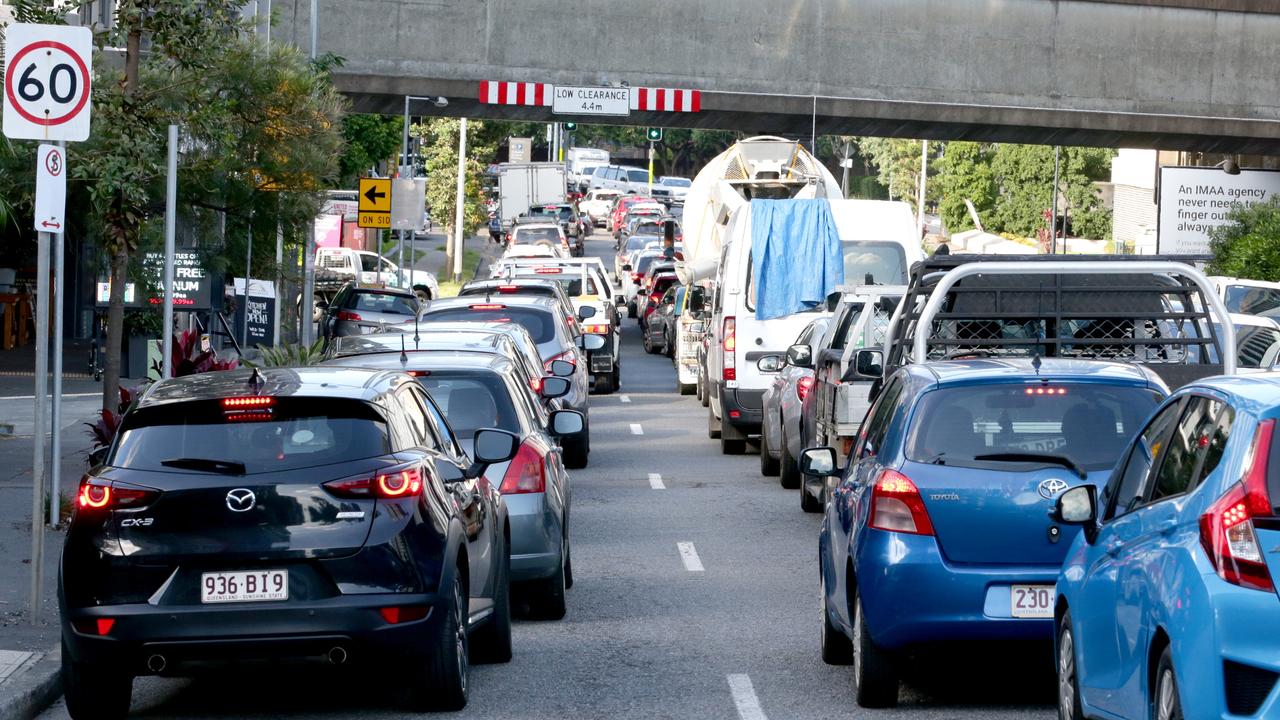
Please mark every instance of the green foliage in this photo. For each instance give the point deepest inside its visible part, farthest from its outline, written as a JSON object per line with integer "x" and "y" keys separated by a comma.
{"x": 1247, "y": 247}
{"x": 964, "y": 172}
{"x": 898, "y": 166}
{"x": 1024, "y": 175}
{"x": 370, "y": 140}
{"x": 440, "y": 151}
{"x": 290, "y": 355}
{"x": 867, "y": 188}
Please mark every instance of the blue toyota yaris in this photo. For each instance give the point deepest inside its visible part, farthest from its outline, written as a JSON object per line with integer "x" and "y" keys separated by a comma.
{"x": 939, "y": 528}
{"x": 1166, "y": 606}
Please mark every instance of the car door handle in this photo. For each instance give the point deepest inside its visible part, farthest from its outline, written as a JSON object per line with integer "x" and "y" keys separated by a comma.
{"x": 1166, "y": 526}
{"x": 1112, "y": 547}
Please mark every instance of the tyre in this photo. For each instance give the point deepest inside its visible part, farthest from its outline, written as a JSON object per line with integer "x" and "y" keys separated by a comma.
{"x": 713, "y": 425}
{"x": 546, "y": 597}
{"x": 631, "y": 309}
{"x": 704, "y": 396}
{"x": 446, "y": 667}
{"x": 648, "y": 345}
{"x": 492, "y": 642}
{"x": 94, "y": 692}
{"x": 684, "y": 388}
{"x": 875, "y": 683}
{"x": 768, "y": 463}
{"x": 808, "y": 502}
{"x": 1166, "y": 703}
{"x": 1068, "y": 682}
{"x": 836, "y": 647}
{"x": 617, "y": 378}
{"x": 788, "y": 470}
{"x": 568, "y": 563}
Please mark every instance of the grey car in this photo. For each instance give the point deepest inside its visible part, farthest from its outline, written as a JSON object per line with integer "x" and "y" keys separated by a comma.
{"x": 547, "y": 324}
{"x": 359, "y": 310}
{"x": 478, "y": 390}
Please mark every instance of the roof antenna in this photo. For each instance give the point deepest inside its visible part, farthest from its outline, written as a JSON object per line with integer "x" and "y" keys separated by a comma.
{"x": 1035, "y": 362}
{"x": 415, "y": 329}
{"x": 404, "y": 357}
{"x": 255, "y": 380}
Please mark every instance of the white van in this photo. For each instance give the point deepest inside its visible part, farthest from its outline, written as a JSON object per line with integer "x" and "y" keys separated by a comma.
{"x": 880, "y": 244}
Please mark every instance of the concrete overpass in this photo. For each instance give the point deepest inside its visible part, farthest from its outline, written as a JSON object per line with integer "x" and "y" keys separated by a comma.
{"x": 1174, "y": 74}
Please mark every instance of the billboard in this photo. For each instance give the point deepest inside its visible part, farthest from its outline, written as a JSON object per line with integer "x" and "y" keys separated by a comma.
{"x": 1195, "y": 200}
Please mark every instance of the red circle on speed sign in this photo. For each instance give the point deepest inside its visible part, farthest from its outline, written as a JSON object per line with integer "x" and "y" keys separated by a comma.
{"x": 53, "y": 162}
{"x": 84, "y": 87}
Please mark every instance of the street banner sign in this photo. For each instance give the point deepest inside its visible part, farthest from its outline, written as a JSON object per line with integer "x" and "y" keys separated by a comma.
{"x": 408, "y": 203}
{"x": 591, "y": 100}
{"x": 1194, "y": 201}
{"x": 51, "y": 189}
{"x": 375, "y": 203}
{"x": 47, "y": 82}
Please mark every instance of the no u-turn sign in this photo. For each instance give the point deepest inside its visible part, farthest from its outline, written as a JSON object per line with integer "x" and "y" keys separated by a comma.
{"x": 47, "y": 81}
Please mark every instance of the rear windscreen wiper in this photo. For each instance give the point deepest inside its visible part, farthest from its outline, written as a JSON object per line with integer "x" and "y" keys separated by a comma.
{"x": 1062, "y": 460}
{"x": 225, "y": 467}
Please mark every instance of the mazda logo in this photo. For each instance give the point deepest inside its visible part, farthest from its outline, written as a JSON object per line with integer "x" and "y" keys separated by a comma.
{"x": 1049, "y": 489}
{"x": 243, "y": 499}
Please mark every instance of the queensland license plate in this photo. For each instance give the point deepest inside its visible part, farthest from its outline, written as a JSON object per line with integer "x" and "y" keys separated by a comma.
{"x": 246, "y": 586}
{"x": 1031, "y": 601}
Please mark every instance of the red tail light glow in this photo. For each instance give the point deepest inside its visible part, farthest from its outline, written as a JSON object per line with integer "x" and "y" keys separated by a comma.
{"x": 508, "y": 289}
{"x": 97, "y": 494}
{"x": 896, "y": 505}
{"x": 347, "y": 315}
{"x": 403, "y": 614}
{"x": 547, "y": 271}
{"x": 1226, "y": 530}
{"x": 526, "y": 473}
{"x": 94, "y": 626}
{"x": 399, "y": 484}
{"x": 237, "y": 403}
{"x": 730, "y": 343}
{"x": 596, "y": 329}
{"x": 392, "y": 485}
{"x": 803, "y": 386}
{"x": 489, "y": 306}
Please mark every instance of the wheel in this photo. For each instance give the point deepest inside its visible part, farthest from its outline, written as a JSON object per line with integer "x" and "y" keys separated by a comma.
{"x": 875, "y": 683}
{"x": 617, "y": 378}
{"x": 648, "y": 345}
{"x": 447, "y": 669}
{"x": 713, "y": 425}
{"x": 492, "y": 642}
{"x": 1068, "y": 683}
{"x": 768, "y": 463}
{"x": 788, "y": 470}
{"x": 808, "y": 502}
{"x": 546, "y": 597}
{"x": 836, "y": 648}
{"x": 423, "y": 292}
{"x": 1166, "y": 704}
{"x": 704, "y": 397}
{"x": 631, "y": 309}
{"x": 94, "y": 692}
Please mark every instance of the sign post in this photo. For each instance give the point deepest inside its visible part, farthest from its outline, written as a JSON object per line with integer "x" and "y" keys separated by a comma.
{"x": 47, "y": 82}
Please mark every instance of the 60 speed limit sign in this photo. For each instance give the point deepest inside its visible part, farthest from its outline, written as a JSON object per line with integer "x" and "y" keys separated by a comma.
{"x": 47, "y": 80}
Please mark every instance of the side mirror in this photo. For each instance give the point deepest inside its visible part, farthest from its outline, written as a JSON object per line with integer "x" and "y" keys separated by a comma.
{"x": 322, "y": 305}
{"x": 866, "y": 365}
{"x": 562, "y": 368}
{"x": 819, "y": 461}
{"x": 590, "y": 341}
{"x": 626, "y": 268}
{"x": 564, "y": 423}
{"x": 491, "y": 446}
{"x": 1078, "y": 506}
{"x": 619, "y": 299}
{"x": 769, "y": 363}
{"x": 585, "y": 312}
{"x": 99, "y": 456}
{"x": 800, "y": 356}
{"x": 554, "y": 387}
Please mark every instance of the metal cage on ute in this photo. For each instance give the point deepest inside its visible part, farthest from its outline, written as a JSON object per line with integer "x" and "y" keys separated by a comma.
{"x": 1156, "y": 311}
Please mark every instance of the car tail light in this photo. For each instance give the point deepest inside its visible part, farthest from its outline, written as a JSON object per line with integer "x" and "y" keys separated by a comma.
{"x": 1226, "y": 530}
{"x": 547, "y": 271}
{"x": 508, "y": 289}
{"x": 730, "y": 344}
{"x": 403, "y": 613}
{"x": 526, "y": 473}
{"x": 489, "y": 306}
{"x": 347, "y": 315}
{"x": 896, "y": 505}
{"x": 803, "y": 386}
{"x": 566, "y": 356}
{"x": 636, "y": 277}
{"x": 236, "y": 403}
{"x": 596, "y": 329}
{"x": 98, "y": 494}
{"x": 94, "y": 626}
{"x": 390, "y": 485}
{"x": 535, "y": 384}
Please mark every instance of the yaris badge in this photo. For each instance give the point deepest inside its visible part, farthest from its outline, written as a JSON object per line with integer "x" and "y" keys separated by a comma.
{"x": 1051, "y": 488}
{"x": 241, "y": 500}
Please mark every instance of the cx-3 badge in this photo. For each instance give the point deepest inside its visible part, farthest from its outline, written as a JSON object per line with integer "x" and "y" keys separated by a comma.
{"x": 241, "y": 500}
{"x": 1050, "y": 488}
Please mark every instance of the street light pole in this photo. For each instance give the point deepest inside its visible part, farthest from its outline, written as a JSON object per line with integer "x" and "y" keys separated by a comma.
{"x": 459, "y": 200}
{"x": 1053, "y": 211}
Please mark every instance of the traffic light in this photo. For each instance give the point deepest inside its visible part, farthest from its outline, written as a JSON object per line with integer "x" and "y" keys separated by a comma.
{"x": 570, "y": 127}
{"x": 654, "y": 134}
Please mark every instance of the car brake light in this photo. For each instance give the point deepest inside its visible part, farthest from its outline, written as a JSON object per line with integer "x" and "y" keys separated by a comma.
{"x": 535, "y": 384}
{"x": 399, "y": 484}
{"x": 596, "y": 329}
{"x": 526, "y": 473}
{"x": 803, "y": 386}
{"x": 403, "y": 614}
{"x": 489, "y": 306}
{"x": 508, "y": 289}
{"x": 347, "y": 315}
{"x": 896, "y": 505}
{"x": 247, "y": 402}
{"x": 730, "y": 343}
{"x": 94, "y": 626}
{"x": 98, "y": 494}
{"x": 547, "y": 271}
{"x": 1226, "y": 530}
{"x": 391, "y": 485}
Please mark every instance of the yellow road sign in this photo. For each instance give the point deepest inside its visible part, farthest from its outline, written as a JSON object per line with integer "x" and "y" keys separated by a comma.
{"x": 375, "y": 196}
{"x": 374, "y": 219}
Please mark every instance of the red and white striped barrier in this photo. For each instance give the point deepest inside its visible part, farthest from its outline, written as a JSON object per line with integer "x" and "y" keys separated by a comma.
{"x": 666, "y": 100}
{"x": 496, "y": 92}
{"x": 501, "y": 92}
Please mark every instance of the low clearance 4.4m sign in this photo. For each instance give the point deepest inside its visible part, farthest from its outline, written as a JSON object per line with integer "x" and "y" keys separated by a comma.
{"x": 1196, "y": 200}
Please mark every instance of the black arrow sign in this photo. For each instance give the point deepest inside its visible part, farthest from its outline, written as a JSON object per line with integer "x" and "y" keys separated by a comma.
{"x": 373, "y": 194}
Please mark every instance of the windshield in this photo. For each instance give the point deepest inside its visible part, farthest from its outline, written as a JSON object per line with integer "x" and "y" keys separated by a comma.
{"x": 874, "y": 263}
{"x": 472, "y": 401}
{"x": 539, "y": 323}
{"x": 533, "y": 235}
{"x": 293, "y": 433}
{"x": 637, "y": 176}
{"x": 1253, "y": 300}
{"x": 675, "y": 182}
{"x": 637, "y": 242}
{"x": 369, "y": 263}
{"x": 1089, "y": 424}
{"x": 384, "y": 303}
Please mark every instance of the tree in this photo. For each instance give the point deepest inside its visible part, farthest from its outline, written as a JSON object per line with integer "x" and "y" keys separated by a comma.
{"x": 1246, "y": 247}
{"x": 964, "y": 173}
{"x": 370, "y": 139}
{"x": 897, "y": 166}
{"x": 1024, "y": 175}
{"x": 440, "y": 151}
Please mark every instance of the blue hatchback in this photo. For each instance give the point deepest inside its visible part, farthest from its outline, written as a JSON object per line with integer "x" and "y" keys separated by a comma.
{"x": 939, "y": 529}
{"x": 1166, "y": 607}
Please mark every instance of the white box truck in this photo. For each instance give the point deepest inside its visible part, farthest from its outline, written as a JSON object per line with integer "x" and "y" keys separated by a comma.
{"x": 523, "y": 185}
{"x": 582, "y": 161}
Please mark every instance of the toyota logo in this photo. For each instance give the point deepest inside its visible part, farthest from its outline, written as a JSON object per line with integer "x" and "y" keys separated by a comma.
{"x": 243, "y": 499}
{"x": 1049, "y": 489}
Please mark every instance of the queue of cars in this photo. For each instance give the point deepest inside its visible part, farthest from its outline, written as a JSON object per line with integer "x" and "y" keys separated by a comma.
{"x": 389, "y": 508}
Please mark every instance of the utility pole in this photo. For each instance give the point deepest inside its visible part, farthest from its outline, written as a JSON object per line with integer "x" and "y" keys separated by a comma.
{"x": 460, "y": 200}
{"x": 844, "y": 177}
{"x": 924, "y": 178}
{"x": 307, "y": 306}
{"x": 1053, "y": 210}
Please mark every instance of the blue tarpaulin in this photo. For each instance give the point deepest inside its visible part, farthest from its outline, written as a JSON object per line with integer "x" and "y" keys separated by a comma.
{"x": 796, "y": 256}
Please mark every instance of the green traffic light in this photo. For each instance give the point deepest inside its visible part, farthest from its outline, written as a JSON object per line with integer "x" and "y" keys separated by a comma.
{"x": 571, "y": 126}
{"x": 654, "y": 134}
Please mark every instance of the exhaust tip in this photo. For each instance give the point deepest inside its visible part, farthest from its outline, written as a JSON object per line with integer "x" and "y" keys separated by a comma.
{"x": 157, "y": 663}
{"x": 337, "y": 656}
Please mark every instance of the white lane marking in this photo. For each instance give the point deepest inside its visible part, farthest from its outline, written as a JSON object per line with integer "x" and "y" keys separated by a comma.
{"x": 744, "y": 697}
{"x": 655, "y": 482}
{"x": 625, "y": 398}
{"x": 689, "y": 556}
{"x": 636, "y": 429}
